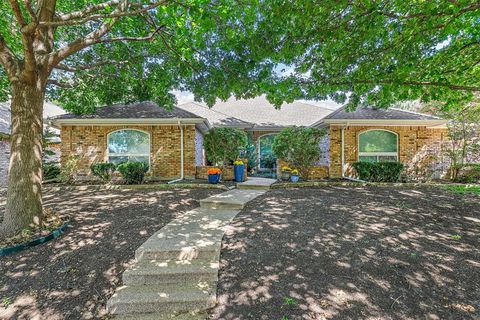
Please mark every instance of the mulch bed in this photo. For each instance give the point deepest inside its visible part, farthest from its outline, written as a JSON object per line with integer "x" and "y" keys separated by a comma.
{"x": 353, "y": 253}
{"x": 72, "y": 277}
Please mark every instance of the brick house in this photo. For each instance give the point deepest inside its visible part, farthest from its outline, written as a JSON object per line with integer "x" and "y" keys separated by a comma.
{"x": 171, "y": 142}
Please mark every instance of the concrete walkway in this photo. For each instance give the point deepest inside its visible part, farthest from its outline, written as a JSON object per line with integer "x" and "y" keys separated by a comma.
{"x": 256, "y": 183}
{"x": 176, "y": 273}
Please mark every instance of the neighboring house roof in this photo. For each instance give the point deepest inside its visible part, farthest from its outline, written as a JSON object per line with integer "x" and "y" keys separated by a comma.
{"x": 49, "y": 110}
{"x": 260, "y": 113}
{"x": 390, "y": 116}
{"x": 146, "y": 112}
{"x": 216, "y": 118}
{"x": 4, "y": 119}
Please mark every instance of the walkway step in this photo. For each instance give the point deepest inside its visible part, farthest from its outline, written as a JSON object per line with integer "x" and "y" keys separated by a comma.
{"x": 256, "y": 183}
{"x": 153, "y": 273}
{"x": 195, "y": 235}
{"x": 162, "y": 300}
{"x": 154, "y": 316}
{"x": 176, "y": 272}
{"x": 233, "y": 199}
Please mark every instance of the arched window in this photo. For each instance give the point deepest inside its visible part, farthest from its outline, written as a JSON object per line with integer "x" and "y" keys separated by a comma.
{"x": 377, "y": 145}
{"x": 128, "y": 145}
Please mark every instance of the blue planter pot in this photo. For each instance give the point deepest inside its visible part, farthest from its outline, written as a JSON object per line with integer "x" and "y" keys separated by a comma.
{"x": 238, "y": 172}
{"x": 214, "y": 178}
{"x": 294, "y": 177}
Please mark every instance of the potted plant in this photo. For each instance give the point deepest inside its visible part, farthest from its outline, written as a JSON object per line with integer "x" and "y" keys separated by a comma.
{"x": 214, "y": 175}
{"x": 238, "y": 169}
{"x": 286, "y": 172}
{"x": 294, "y": 177}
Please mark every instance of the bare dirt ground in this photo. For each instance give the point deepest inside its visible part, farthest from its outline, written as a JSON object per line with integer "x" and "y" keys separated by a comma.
{"x": 353, "y": 253}
{"x": 73, "y": 276}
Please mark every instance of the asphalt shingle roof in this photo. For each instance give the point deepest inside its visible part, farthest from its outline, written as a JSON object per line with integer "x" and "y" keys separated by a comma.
{"x": 139, "y": 110}
{"x": 49, "y": 110}
{"x": 4, "y": 118}
{"x": 378, "y": 114}
{"x": 260, "y": 113}
{"x": 215, "y": 118}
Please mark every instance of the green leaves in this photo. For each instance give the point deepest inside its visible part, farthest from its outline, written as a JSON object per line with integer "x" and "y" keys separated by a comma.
{"x": 223, "y": 145}
{"x": 299, "y": 147}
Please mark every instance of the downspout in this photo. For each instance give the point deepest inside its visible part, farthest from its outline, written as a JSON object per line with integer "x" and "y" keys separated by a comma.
{"x": 343, "y": 158}
{"x": 182, "y": 165}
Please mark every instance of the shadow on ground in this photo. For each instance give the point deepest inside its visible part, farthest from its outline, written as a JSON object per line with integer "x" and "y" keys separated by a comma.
{"x": 352, "y": 253}
{"x": 73, "y": 276}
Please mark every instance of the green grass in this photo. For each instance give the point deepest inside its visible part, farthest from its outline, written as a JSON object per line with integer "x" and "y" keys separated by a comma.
{"x": 464, "y": 189}
{"x": 289, "y": 301}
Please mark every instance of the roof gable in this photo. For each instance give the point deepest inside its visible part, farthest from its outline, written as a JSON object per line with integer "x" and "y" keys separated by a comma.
{"x": 139, "y": 110}
{"x": 260, "y": 113}
{"x": 368, "y": 113}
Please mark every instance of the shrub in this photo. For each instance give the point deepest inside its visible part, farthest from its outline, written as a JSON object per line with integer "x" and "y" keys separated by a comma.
{"x": 223, "y": 145}
{"x": 51, "y": 170}
{"x": 469, "y": 173}
{"x": 379, "y": 171}
{"x": 69, "y": 169}
{"x": 299, "y": 147}
{"x": 103, "y": 170}
{"x": 133, "y": 172}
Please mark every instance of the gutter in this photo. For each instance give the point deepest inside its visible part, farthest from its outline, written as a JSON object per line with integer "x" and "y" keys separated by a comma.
{"x": 133, "y": 121}
{"x": 182, "y": 164}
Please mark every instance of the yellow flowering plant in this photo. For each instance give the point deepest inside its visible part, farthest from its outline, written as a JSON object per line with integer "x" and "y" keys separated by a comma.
{"x": 286, "y": 169}
{"x": 238, "y": 162}
{"x": 295, "y": 171}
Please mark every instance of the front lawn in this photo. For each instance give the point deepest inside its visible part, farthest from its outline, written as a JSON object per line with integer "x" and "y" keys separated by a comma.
{"x": 353, "y": 253}
{"x": 73, "y": 276}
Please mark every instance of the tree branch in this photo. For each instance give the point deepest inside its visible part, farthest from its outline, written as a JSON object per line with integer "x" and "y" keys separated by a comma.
{"x": 8, "y": 59}
{"x": 31, "y": 12}
{"x": 401, "y": 83}
{"x": 82, "y": 20}
{"x": 60, "y": 84}
{"x": 18, "y": 13}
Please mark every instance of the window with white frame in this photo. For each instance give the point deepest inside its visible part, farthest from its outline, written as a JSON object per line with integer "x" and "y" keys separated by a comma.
{"x": 377, "y": 145}
{"x": 128, "y": 145}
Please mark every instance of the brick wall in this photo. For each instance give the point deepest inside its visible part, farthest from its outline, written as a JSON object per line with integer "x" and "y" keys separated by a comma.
{"x": 316, "y": 172}
{"x": 4, "y": 160}
{"x": 90, "y": 144}
{"x": 412, "y": 141}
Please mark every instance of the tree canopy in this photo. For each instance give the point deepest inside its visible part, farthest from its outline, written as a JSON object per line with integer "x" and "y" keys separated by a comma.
{"x": 103, "y": 52}
{"x": 373, "y": 52}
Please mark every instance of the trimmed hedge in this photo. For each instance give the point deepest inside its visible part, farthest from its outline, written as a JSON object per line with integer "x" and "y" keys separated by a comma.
{"x": 379, "y": 171}
{"x": 51, "y": 170}
{"x": 133, "y": 172}
{"x": 103, "y": 170}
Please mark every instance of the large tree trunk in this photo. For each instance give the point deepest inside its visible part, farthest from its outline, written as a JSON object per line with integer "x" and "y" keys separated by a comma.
{"x": 24, "y": 195}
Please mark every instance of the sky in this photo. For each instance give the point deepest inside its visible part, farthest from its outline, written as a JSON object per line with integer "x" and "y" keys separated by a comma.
{"x": 185, "y": 96}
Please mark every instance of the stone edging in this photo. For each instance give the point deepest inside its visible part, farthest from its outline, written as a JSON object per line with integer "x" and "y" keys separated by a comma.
{"x": 35, "y": 242}
{"x": 309, "y": 184}
{"x": 134, "y": 187}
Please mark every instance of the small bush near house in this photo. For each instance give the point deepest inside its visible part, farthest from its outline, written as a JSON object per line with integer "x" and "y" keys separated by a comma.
{"x": 133, "y": 172}
{"x": 51, "y": 170}
{"x": 223, "y": 145}
{"x": 103, "y": 170}
{"x": 469, "y": 173}
{"x": 298, "y": 147}
{"x": 68, "y": 170}
{"x": 379, "y": 171}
